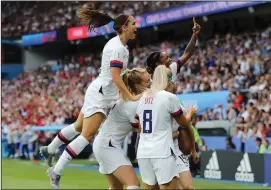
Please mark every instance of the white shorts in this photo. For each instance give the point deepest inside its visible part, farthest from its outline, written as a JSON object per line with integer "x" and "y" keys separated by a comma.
{"x": 161, "y": 170}
{"x": 182, "y": 162}
{"x": 96, "y": 100}
{"x": 110, "y": 158}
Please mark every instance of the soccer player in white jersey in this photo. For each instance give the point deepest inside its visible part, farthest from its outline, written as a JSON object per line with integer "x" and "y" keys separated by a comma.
{"x": 182, "y": 160}
{"x": 101, "y": 92}
{"x": 156, "y": 155}
{"x": 107, "y": 149}
{"x": 161, "y": 58}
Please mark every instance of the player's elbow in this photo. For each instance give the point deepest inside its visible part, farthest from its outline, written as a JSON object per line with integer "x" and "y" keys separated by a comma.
{"x": 182, "y": 121}
{"x": 188, "y": 52}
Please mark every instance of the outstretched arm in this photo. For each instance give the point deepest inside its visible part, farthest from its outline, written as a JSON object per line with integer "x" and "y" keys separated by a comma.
{"x": 191, "y": 45}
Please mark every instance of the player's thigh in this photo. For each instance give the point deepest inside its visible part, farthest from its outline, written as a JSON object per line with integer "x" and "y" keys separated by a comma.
{"x": 171, "y": 185}
{"x": 147, "y": 172}
{"x": 127, "y": 175}
{"x": 186, "y": 180}
{"x": 94, "y": 111}
{"x": 183, "y": 168}
{"x": 91, "y": 125}
{"x": 114, "y": 183}
{"x": 79, "y": 122}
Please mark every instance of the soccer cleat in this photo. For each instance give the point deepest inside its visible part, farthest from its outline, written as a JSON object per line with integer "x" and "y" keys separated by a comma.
{"x": 54, "y": 178}
{"x": 48, "y": 157}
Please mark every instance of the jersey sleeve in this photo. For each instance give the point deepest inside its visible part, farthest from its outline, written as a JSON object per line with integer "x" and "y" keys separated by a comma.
{"x": 175, "y": 69}
{"x": 175, "y": 106}
{"x": 117, "y": 58}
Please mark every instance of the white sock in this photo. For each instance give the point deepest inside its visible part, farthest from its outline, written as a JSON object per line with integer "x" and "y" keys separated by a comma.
{"x": 70, "y": 152}
{"x": 64, "y": 136}
{"x": 133, "y": 187}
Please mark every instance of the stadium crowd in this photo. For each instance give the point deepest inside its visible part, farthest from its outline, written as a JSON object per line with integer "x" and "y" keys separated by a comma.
{"x": 54, "y": 93}
{"x": 24, "y": 17}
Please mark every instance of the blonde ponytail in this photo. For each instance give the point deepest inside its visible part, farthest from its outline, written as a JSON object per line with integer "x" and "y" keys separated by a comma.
{"x": 159, "y": 79}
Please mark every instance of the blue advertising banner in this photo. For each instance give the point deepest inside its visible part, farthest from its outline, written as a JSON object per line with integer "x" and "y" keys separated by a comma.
{"x": 10, "y": 71}
{"x": 267, "y": 169}
{"x": 193, "y": 10}
{"x": 165, "y": 16}
{"x": 39, "y": 38}
{"x": 205, "y": 100}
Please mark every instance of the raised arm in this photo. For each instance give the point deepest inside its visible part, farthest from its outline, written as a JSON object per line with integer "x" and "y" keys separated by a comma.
{"x": 191, "y": 45}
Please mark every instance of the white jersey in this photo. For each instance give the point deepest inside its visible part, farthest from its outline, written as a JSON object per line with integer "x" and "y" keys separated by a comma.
{"x": 155, "y": 114}
{"x": 115, "y": 54}
{"x": 120, "y": 121}
{"x": 175, "y": 69}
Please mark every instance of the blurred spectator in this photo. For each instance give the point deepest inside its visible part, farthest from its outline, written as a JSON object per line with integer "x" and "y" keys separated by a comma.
{"x": 11, "y": 147}
{"x": 232, "y": 113}
{"x": 220, "y": 112}
{"x": 265, "y": 147}
{"x": 16, "y": 140}
{"x": 230, "y": 146}
{"x": 25, "y": 142}
{"x": 261, "y": 130}
{"x": 203, "y": 147}
{"x": 258, "y": 144}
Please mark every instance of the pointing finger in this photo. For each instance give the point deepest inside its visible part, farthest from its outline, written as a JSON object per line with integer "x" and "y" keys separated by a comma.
{"x": 194, "y": 20}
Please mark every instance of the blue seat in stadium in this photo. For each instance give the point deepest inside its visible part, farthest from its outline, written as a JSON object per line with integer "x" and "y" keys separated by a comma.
{"x": 237, "y": 142}
{"x": 250, "y": 146}
{"x": 215, "y": 143}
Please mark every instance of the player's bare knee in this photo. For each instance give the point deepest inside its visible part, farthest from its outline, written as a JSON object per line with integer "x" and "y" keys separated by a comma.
{"x": 89, "y": 137}
{"x": 78, "y": 126}
{"x": 187, "y": 186}
{"x": 132, "y": 182}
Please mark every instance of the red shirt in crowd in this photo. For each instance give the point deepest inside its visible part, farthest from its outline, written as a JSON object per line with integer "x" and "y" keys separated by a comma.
{"x": 238, "y": 101}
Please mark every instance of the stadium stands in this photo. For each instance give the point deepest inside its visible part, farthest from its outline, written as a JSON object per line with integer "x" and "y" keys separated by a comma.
{"x": 24, "y": 17}
{"x": 241, "y": 68}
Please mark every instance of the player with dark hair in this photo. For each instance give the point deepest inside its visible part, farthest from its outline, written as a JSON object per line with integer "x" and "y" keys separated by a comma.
{"x": 161, "y": 58}
{"x": 101, "y": 93}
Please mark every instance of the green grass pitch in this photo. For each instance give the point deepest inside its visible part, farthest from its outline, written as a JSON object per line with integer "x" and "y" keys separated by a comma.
{"x": 27, "y": 175}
